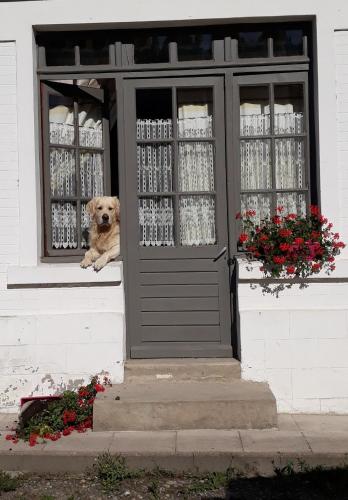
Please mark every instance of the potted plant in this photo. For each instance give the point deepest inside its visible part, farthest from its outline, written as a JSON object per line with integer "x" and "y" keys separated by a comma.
{"x": 290, "y": 246}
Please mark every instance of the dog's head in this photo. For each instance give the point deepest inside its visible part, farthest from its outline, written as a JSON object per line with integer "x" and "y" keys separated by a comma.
{"x": 104, "y": 210}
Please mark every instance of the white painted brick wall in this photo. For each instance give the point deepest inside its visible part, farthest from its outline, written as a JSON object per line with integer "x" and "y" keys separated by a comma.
{"x": 341, "y": 50}
{"x": 50, "y": 339}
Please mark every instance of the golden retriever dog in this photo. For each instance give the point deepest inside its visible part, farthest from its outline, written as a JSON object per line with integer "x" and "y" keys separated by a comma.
{"x": 104, "y": 232}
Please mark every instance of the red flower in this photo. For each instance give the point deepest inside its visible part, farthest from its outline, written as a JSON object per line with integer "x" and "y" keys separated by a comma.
{"x": 332, "y": 267}
{"x": 284, "y": 247}
{"x": 33, "y": 439}
{"x": 90, "y": 401}
{"x": 279, "y": 259}
{"x": 336, "y": 236}
{"x": 322, "y": 220}
{"x": 331, "y": 259}
{"x": 276, "y": 219}
{"x": 315, "y": 235}
{"x": 83, "y": 392}
{"x": 316, "y": 267}
{"x": 238, "y": 215}
{"x": 66, "y": 431}
{"x": 291, "y": 217}
{"x": 99, "y": 388}
{"x": 263, "y": 237}
{"x": 339, "y": 244}
{"x": 243, "y": 237}
{"x": 299, "y": 241}
{"x": 285, "y": 233}
{"x": 280, "y": 209}
{"x": 290, "y": 270}
{"x": 250, "y": 213}
{"x": 314, "y": 210}
{"x": 69, "y": 416}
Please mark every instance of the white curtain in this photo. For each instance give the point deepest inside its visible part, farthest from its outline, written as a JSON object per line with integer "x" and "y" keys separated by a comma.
{"x": 195, "y": 171}
{"x": 63, "y": 171}
{"x": 255, "y": 157}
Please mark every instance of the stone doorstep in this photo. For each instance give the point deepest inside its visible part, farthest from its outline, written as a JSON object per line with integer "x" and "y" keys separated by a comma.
{"x": 182, "y": 370}
{"x": 256, "y": 451}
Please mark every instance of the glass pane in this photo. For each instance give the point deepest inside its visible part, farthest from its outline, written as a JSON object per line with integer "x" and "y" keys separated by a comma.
{"x": 195, "y": 112}
{"x": 60, "y": 50}
{"x": 288, "y": 109}
{"x": 85, "y": 222}
{"x": 95, "y": 49}
{"x": 196, "y": 166}
{"x": 91, "y": 174}
{"x": 156, "y": 221}
{"x": 252, "y": 44}
{"x": 255, "y": 164}
{"x": 154, "y": 113}
{"x": 195, "y": 46}
{"x": 288, "y": 42}
{"x": 90, "y": 126}
{"x": 62, "y": 172}
{"x": 261, "y": 203}
{"x": 290, "y": 163}
{"x": 64, "y": 229}
{"x": 61, "y": 120}
{"x": 151, "y": 49}
{"x": 254, "y": 111}
{"x": 155, "y": 168}
{"x": 197, "y": 220}
{"x": 293, "y": 203}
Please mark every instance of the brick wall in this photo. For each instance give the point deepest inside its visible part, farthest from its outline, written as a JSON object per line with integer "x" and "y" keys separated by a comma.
{"x": 341, "y": 50}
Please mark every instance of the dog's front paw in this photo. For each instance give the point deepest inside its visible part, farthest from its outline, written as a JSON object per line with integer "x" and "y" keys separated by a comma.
{"x": 99, "y": 264}
{"x": 85, "y": 263}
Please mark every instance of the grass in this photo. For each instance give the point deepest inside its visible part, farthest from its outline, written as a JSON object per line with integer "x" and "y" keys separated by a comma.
{"x": 7, "y": 483}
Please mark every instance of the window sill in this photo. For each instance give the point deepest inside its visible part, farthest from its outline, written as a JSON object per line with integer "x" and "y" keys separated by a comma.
{"x": 63, "y": 275}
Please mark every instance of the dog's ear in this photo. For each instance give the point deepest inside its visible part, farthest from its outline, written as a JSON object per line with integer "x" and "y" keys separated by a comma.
{"x": 90, "y": 207}
{"x": 117, "y": 207}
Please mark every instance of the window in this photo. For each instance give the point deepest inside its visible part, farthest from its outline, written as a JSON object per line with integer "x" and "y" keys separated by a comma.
{"x": 76, "y": 161}
{"x": 273, "y": 148}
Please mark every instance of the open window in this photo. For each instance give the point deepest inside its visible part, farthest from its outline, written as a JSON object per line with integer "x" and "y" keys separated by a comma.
{"x": 77, "y": 120}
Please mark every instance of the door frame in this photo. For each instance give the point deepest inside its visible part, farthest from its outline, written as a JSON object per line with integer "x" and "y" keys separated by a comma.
{"x": 133, "y": 313}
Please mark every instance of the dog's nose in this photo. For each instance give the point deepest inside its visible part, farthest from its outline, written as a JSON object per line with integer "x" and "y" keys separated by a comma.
{"x": 105, "y": 217}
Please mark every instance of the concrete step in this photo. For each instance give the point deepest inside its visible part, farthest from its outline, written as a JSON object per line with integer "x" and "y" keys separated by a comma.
{"x": 185, "y": 405}
{"x": 141, "y": 371}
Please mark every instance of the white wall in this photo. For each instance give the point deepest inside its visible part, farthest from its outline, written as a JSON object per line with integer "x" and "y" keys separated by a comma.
{"x": 66, "y": 334}
{"x": 50, "y": 338}
{"x": 299, "y": 341}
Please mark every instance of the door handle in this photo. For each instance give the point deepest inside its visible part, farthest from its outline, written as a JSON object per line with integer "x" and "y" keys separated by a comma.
{"x": 220, "y": 254}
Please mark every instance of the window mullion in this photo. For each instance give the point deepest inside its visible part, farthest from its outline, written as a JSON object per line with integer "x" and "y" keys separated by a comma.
{"x": 78, "y": 177}
{"x": 175, "y": 169}
{"x": 273, "y": 166}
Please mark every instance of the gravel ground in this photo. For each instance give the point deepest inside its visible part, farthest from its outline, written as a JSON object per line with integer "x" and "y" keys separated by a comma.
{"x": 82, "y": 487}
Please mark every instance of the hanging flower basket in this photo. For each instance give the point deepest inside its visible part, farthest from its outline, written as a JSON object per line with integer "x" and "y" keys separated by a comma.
{"x": 290, "y": 246}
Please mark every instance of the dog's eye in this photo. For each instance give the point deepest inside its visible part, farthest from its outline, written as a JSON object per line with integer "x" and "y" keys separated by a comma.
{"x": 99, "y": 208}
{"x": 110, "y": 208}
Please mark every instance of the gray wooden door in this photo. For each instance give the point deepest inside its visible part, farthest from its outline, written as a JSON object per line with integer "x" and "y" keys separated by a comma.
{"x": 177, "y": 293}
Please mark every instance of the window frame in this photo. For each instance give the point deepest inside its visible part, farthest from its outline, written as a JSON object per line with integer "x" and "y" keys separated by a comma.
{"x": 49, "y": 254}
{"x": 270, "y": 81}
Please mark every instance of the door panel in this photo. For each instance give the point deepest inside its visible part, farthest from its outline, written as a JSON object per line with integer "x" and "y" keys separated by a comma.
{"x": 178, "y": 296}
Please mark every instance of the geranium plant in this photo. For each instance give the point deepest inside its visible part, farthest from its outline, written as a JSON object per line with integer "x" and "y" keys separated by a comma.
{"x": 72, "y": 412}
{"x": 290, "y": 245}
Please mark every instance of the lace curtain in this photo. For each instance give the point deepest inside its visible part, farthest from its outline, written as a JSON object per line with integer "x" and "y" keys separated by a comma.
{"x": 195, "y": 172}
{"x": 256, "y": 161}
{"x": 63, "y": 172}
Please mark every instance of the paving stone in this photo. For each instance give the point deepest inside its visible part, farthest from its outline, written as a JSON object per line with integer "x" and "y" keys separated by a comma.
{"x": 321, "y": 423}
{"x": 202, "y": 441}
{"x": 329, "y": 442}
{"x": 267, "y": 441}
{"x": 143, "y": 442}
{"x": 286, "y": 422}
